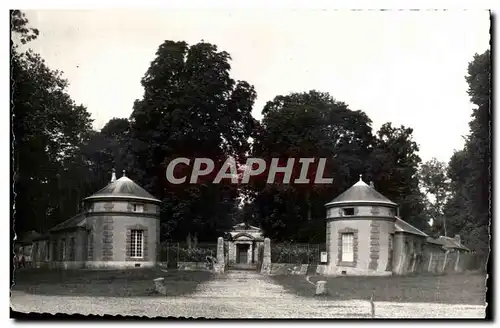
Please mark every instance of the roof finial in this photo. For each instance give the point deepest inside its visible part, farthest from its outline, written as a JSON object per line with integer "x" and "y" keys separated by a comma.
{"x": 361, "y": 177}
{"x": 123, "y": 173}
{"x": 113, "y": 176}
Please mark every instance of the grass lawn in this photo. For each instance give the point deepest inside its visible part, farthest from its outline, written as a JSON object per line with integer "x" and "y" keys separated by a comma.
{"x": 452, "y": 289}
{"x": 114, "y": 283}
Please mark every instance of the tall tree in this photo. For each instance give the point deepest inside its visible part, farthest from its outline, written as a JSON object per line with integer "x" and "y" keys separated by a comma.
{"x": 479, "y": 143}
{"x": 469, "y": 169}
{"x": 393, "y": 167}
{"x": 191, "y": 108}
{"x": 106, "y": 150}
{"x": 48, "y": 129}
{"x": 456, "y": 212}
{"x": 436, "y": 186}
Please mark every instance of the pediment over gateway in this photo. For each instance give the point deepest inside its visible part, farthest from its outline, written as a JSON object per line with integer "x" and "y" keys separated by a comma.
{"x": 245, "y": 227}
{"x": 243, "y": 237}
{"x": 242, "y": 231}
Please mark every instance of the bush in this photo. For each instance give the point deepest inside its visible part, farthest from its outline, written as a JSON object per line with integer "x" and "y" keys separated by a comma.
{"x": 195, "y": 254}
{"x": 294, "y": 253}
{"x": 173, "y": 252}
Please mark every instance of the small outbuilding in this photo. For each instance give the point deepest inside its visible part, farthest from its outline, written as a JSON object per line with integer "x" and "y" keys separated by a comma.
{"x": 366, "y": 236}
{"x": 119, "y": 227}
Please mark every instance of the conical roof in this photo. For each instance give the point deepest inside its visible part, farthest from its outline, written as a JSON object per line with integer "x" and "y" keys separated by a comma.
{"x": 359, "y": 193}
{"x": 123, "y": 188}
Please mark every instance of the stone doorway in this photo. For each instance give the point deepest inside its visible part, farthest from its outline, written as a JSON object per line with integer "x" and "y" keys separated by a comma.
{"x": 242, "y": 253}
{"x": 242, "y": 243}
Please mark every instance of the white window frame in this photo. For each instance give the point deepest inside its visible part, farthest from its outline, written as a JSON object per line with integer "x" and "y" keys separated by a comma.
{"x": 135, "y": 246}
{"x": 136, "y": 207}
{"x": 347, "y": 247}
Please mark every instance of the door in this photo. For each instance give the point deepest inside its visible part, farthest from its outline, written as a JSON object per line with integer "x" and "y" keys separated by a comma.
{"x": 242, "y": 254}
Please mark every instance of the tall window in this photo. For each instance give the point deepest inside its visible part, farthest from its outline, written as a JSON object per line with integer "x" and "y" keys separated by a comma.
{"x": 136, "y": 243}
{"x": 347, "y": 247}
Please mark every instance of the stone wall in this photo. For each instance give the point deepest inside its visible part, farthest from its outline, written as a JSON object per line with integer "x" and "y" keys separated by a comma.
{"x": 65, "y": 249}
{"x": 408, "y": 253}
{"x": 471, "y": 262}
{"x": 440, "y": 263}
{"x": 414, "y": 255}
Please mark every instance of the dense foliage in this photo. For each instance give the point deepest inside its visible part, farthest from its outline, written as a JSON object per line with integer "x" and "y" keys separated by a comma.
{"x": 314, "y": 124}
{"x": 191, "y": 108}
{"x": 49, "y": 131}
{"x": 469, "y": 207}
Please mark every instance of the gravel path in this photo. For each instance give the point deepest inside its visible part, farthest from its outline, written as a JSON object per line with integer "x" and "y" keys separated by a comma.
{"x": 237, "y": 294}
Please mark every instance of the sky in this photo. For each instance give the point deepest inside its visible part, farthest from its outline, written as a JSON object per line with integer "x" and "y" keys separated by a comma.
{"x": 404, "y": 67}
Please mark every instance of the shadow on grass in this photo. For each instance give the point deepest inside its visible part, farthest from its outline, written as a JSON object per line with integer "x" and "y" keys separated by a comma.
{"x": 107, "y": 283}
{"x": 451, "y": 289}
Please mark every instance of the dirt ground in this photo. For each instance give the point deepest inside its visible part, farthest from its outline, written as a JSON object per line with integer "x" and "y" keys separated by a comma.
{"x": 237, "y": 294}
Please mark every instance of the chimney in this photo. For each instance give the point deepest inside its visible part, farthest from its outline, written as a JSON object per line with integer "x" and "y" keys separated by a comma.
{"x": 458, "y": 240}
{"x": 372, "y": 185}
{"x": 113, "y": 176}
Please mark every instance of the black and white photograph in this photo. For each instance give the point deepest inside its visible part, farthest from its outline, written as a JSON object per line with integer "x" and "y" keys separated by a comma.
{"x": 242, "y": 163}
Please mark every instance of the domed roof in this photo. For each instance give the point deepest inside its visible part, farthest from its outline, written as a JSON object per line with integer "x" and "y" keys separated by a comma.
{"x": 123, "y": 188}
{"x": 359, "y": 193}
